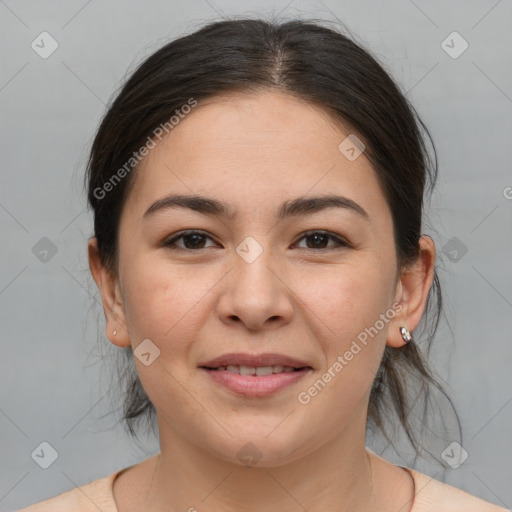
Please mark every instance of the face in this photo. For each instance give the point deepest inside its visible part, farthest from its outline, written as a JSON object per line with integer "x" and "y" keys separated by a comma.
{"x": 310, "y": 282}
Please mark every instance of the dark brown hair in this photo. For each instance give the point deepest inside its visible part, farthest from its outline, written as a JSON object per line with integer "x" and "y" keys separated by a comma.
{"x": 318, "y": 65}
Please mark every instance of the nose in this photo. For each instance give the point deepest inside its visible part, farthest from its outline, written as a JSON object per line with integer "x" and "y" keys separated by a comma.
{"x": 256, "y": 294}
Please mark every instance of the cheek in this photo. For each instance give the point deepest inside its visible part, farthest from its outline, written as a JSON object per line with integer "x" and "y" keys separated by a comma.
{"x": 353, "y": 347}
{"x": 163, "y": 302}
{"x": 347, "y": 300}
{"x": 350, "y": 316}
{"x": 167, "y": 306}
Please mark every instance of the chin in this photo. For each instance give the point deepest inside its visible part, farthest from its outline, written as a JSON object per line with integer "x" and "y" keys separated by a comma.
{"x": 259, "y": 449}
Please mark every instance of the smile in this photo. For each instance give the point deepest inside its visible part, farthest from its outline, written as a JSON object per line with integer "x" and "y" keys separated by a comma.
{"x": 250, "y": 381}
{"x": 256, "y": 370}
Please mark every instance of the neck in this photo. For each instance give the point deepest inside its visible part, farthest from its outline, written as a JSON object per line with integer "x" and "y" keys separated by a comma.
{"x": 337, "y": 476}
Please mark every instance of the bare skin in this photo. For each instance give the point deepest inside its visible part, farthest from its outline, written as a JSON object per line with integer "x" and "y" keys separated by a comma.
{"x": 302, "y": 298}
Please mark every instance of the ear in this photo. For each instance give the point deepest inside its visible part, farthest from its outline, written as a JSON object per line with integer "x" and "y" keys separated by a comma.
{"x": 412, "y": 292}
{"x": 108, "y": 285}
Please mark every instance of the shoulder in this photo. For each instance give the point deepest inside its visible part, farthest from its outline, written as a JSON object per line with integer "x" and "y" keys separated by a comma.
{"x": 91, "y": 497}
{"x": 432, "y": 495}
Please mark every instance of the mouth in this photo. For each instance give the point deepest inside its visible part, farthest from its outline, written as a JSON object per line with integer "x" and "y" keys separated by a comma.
{"x": 256, "y": 371}
{"x": 244, "y": 362}
{"x": 255, "y": 375}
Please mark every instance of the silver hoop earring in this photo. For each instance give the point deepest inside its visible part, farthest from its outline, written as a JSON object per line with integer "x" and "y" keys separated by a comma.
{"x": 406, "y": 335}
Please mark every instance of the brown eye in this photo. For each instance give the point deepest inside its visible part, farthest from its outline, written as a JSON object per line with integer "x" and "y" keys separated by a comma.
{"x": 195, "y": 240}
{"x": 320, "y": 240}
{"x": 191, "y": 240}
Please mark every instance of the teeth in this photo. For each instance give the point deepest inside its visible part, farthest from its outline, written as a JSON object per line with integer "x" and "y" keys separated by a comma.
{"x": 258, "y": 371}
{"x": 265, "y": 370}
{"x": 247, "y": 370}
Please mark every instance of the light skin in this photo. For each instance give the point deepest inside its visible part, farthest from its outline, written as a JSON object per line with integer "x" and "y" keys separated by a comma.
{"x": 305, "y": 297}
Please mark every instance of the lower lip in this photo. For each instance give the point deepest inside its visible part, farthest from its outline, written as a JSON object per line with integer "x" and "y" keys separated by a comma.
{"x": 254, "y": 386}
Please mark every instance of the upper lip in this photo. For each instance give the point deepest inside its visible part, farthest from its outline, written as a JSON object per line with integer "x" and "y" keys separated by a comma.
{"x": 267, "y": 359}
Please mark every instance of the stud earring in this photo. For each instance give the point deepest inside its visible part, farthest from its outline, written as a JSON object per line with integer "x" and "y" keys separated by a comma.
{"x": 115, "y": 332}
{"x": 406, "y": 335}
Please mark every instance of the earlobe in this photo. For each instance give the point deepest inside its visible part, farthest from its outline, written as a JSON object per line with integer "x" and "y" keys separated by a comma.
{"x": 118, "y": 337}
{"x": 107, "y": 283}
{"x": 412, "y": 294}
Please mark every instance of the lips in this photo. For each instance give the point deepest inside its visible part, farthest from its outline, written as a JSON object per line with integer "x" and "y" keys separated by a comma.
{"x": 254, "y": 360}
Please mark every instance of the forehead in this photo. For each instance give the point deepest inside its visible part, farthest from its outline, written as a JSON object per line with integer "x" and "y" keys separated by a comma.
{"x": 254, "y": 149}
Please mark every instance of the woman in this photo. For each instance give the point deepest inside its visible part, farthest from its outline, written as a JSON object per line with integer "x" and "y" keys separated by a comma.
{"x": 257, "y": 191}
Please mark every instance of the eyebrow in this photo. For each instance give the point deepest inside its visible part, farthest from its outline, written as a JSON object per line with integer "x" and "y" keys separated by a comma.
{"x": 293, "y": 207}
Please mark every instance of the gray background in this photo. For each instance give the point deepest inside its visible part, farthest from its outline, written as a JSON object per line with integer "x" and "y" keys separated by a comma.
{"x": 53, "y": 388}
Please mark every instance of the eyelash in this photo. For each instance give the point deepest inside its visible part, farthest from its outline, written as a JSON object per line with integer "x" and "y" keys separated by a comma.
{"x": 171, "y": 243}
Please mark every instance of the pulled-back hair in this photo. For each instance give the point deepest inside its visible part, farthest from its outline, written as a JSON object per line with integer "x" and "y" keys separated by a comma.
{"x": 315, "y": 64}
